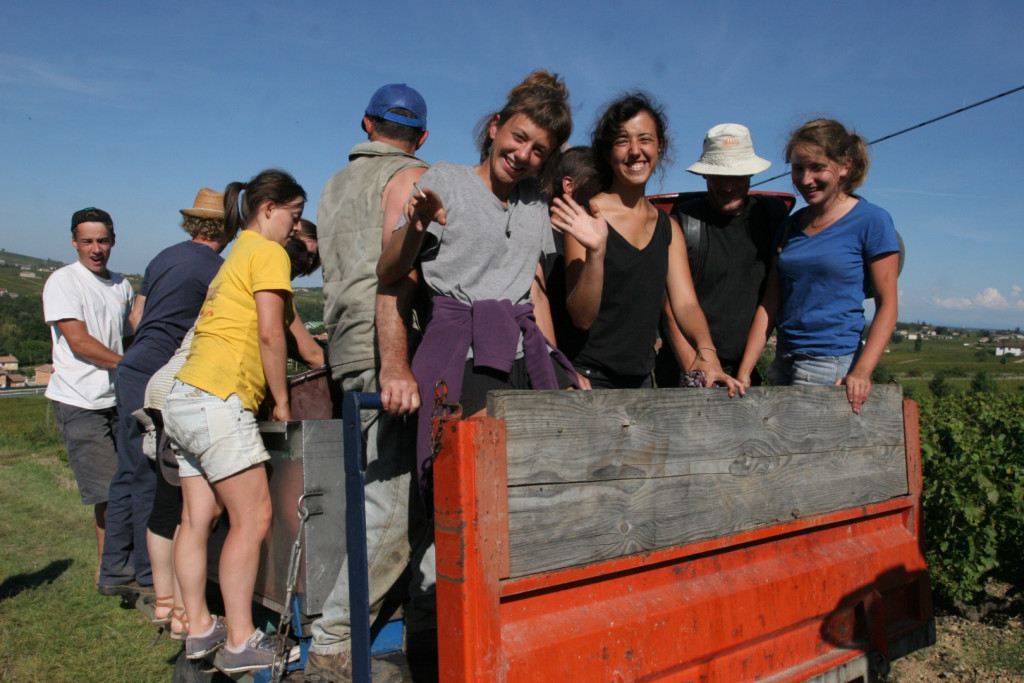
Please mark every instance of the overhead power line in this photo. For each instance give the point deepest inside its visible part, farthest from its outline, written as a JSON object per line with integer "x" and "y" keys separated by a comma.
{"x": 920, "y": 125}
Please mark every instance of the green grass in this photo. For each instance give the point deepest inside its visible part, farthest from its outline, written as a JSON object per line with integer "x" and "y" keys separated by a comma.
{"x": 54, "y": 626}
{"x": 950, "y": 357}
{"x": 1005, "y": 653}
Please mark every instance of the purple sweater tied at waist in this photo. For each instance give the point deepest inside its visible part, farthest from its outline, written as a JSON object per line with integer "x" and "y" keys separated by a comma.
{"x": 492, "y": 329}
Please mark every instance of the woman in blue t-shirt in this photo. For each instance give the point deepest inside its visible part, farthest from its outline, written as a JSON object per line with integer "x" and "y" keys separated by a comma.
{"x": 831, "y": 254}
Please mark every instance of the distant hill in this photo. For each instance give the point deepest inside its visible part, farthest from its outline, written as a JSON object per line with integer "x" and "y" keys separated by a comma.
{"x": 10, "y": 258}
{"x": 25, "y": 275}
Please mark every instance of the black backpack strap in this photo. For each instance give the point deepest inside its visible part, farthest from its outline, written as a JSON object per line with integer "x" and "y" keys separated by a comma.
{"x": 696, "y": 238}
{"x": 775, "y": 209}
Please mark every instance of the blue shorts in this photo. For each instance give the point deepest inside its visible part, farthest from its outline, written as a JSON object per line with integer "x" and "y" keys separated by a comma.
{"x": 216, "y": 438}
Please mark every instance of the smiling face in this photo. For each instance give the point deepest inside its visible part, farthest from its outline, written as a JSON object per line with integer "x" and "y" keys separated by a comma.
{"x": 816, "y": 177}
{"x": 281, "y": 220}
{"x": 93, "y": 241}
{"x": 728, "y": 194}
{"x": 519, "y": 149}
{"x": 635, "y": 151}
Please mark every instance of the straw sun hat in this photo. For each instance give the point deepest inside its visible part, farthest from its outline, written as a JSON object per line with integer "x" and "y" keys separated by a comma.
{"x": 208, "y": 204}
{"x": 728, "y": 150}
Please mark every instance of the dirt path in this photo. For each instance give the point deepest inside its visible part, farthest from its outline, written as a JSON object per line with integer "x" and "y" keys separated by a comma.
{"x": 989, "y": 649}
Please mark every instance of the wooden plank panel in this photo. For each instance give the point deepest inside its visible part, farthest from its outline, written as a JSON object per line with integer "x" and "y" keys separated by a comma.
{"x": 635, "y": 434}
{"x": 558, "y": 525}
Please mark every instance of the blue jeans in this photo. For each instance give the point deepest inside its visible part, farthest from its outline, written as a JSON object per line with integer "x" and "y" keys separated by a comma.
{"x": 804, "y": 369}
{"x": 130, "y": 500}
{"x": 398, "y": 532}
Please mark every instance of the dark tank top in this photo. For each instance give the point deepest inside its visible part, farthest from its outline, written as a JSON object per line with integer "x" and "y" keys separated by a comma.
{"x": 621, "y": 340}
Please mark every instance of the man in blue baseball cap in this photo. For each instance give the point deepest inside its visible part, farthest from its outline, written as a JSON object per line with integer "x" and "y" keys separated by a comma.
{"x": 358, "y": 210}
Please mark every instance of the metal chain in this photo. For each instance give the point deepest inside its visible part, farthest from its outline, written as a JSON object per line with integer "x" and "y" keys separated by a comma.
{"x": 441, "y": 412}
{"x": 285, "y": 624}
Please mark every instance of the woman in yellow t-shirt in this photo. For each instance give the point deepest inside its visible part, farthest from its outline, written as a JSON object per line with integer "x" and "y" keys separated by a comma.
{"x": 239, "y": 351}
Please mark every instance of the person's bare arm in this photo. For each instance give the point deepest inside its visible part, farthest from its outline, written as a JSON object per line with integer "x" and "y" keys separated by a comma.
{"x": 399, "y": 393}
{"x": 311, "y": 353}
{"x": 883, "y": 271}
{"x": 541, "y": 306}
{"x": 760, "y": 327}
{"x": 87, "y": 346}
{"x": 684, "y": 353}
{"x": 135, "y": 317}
{"x": 270, "y": 333}
{"x": 399, "y": 255}
{"x": 586, "y": 239}
{"x": 689, "y": 317}
{"x": 396, "y": 194}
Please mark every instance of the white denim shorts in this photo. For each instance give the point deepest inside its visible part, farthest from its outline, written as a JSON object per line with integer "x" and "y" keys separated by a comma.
{"x": 216, "y": 438}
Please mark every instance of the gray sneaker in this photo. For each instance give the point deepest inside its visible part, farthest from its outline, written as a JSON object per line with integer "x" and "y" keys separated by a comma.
{"x": 258, "y": 653}
{"x": 197, "y": 647}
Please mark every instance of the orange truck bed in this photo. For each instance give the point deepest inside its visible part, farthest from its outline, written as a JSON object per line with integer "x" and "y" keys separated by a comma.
{"x": 678, "y": 535}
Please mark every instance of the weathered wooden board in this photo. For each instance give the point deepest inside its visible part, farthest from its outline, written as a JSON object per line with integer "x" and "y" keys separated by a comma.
{"x": 598, "y": 475}
{"x": 561, "y": 525}
{"x": 561, "y": 436}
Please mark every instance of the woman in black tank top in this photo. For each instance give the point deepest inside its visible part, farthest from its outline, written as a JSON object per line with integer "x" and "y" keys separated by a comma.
{"x": 627, "y": 257}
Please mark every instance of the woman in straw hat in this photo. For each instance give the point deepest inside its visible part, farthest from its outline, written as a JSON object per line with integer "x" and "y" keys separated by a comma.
{"x": 617, "y": 277}
{"x": 830, "y": 255}
{"x": 172, "y": 292}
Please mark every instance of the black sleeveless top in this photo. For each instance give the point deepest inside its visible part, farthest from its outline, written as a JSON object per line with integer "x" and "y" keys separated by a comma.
{"x": 621, "y": 340}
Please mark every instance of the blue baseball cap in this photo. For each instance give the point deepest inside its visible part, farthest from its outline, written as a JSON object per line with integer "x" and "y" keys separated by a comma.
{"x": 398, "y": 96}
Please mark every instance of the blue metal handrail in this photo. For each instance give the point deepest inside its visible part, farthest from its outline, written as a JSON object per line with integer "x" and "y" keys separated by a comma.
{"x": 355, "y": 530}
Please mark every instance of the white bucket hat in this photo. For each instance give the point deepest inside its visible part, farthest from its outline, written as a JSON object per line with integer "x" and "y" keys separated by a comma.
{"x": 728, "y": 150}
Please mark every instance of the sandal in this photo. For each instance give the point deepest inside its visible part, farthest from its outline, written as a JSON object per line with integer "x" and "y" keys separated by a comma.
{"x": 162, "y": 603}
{"x": 178, "y": 615}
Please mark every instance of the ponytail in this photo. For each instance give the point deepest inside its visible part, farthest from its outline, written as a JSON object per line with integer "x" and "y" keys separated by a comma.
{"x": 242, "y": 200}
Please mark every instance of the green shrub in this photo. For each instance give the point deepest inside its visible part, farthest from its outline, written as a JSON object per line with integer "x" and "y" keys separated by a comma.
{"x": 982, "y": 383}
{"x": 972, "y": 449}
{"x": 939, "y": 386}
{"x": 763, "y": 363}
{"x": 882, "y": 374}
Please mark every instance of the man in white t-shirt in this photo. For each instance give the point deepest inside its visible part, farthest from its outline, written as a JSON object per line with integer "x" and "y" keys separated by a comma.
{"x": 87, "y": 308}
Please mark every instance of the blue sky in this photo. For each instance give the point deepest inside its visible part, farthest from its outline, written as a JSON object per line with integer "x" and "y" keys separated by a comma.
{"x": 132, "y": 106}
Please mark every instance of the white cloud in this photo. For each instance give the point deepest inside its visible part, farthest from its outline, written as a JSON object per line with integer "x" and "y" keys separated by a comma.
{"x": 990, "y": 299}
{"x": 955, "y": 303}
{"x": 24, "y": 74}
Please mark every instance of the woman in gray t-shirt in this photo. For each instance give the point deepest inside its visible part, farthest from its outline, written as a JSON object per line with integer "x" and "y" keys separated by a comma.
{"x": 480, "y": 236}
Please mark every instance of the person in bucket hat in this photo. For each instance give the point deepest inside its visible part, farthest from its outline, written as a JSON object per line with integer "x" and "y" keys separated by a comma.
{"x": 728, "y": 236}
